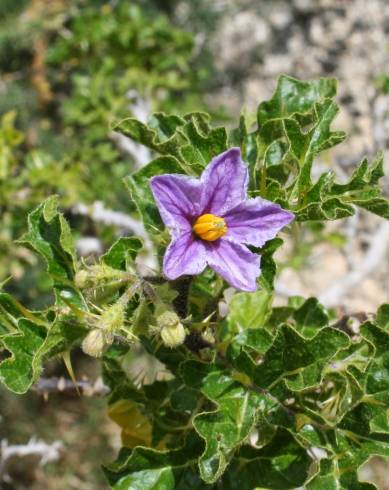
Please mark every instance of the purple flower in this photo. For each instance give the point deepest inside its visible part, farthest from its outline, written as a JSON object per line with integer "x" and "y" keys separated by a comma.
{"x": 211, "y": 218}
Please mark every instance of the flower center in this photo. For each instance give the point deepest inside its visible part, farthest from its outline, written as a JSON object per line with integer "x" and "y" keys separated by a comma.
{"x": 209, "y": 227}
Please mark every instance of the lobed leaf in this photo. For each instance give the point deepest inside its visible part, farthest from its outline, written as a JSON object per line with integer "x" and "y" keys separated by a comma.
{"x": 294, "y": 96}
{"x": 148, "y": 469}
{"x": 229, "y": 425}
{"x": 50, "y": 236}
{"x": 122, "y": 252}
{"x": 280, "y": 465}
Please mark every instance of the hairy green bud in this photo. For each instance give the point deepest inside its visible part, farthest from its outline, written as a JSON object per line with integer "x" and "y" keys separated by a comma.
{"x": 173, "y": 336}
{"x": 112, "y": 319}
{"x": 97, "y": 342}
{"x": 168, "y": 319}
{"x": 95, "y": 274}
{"x": 172, "y": 331}
{"x": 81, "y": 279}
{"x": 104, "y": 327}
{"x": 100, "y": 281}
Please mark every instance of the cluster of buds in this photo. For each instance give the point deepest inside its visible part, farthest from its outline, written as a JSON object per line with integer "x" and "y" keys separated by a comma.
{"x": 171, "y": 329}
{"x": 101, "y": 337}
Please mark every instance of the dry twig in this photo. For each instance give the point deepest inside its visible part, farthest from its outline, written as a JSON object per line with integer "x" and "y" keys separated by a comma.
{"x": 63, "y": 385}
{"x": 100, "y": 214}
{"x": 376, "y": 254}
{"x": 33, "y": 454}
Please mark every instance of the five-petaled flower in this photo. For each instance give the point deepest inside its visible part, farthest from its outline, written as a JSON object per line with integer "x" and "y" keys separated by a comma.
{"x": 211, "y": 220}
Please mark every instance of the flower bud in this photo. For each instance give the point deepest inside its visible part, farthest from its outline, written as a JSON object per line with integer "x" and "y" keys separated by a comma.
{"x": 171, "y": 329}
{"x": 168, "y": 319}
{"x": 81, "y": 279}
{"x": 173, "y": 336}
{"x": 100, "y": 281}
{"x": 208, "y": 336}
{"x": 96, "y": 342}
{"x": 112, "y": 319}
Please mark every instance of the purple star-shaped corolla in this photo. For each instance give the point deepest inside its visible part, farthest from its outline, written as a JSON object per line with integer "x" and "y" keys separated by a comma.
{"x": 211, "y": 219}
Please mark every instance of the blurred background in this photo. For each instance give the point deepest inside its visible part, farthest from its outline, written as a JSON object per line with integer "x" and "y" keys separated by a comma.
{"x": 70, "y": 67}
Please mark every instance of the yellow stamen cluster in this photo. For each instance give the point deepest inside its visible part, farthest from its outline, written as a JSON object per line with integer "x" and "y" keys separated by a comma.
{"x": 210, "y": 227}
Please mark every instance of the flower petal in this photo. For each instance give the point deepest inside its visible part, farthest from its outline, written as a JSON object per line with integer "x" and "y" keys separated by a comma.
{"x": 225, "y": 183}
{"x": 256, "y": 221}
{"x": 184, "y": 255}
{"x": 178, "y": 198}
{"x": 235, "y": 263}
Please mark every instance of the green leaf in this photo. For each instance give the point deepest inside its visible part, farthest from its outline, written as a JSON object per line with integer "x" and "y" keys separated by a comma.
{"x": 117, "y": 378}
{"x": 280, "y": 465}
{"x": 50, "y": 236}
{"x": 23, "y": 367}
{"x": 229, "y": 425}
{"x": 148, "y": 479}
{"x": 294, "y": 96}
{"x": 362, "y": 189}
{"x": 382, "y": 318}
{"x": 376, "y": 377}
{"x": 328, "y": 478}
{"x": 355, "y": 358}
{"x": 160, "y": 135}
{"x": 148, "y": 469}
{"x": 319, "y": 138}
{"x": 184, "y": 398}
{"x": 257, "y": 339}
{"x": 205, "y": 143}
{"x": 376, "y": 205}
{"x": 31, "y": 344}
{"x": 122, "y": 253}
{"x": 294, "y": 127}
{"x": 371, "y": 414}
{"x": 306, "y": 378}
{"x": 380, "y": 422}
{"x": 310, "y": 317}
{"x": 268, "y": 265}
{"x": 65, "y": 332}
{"x": 363, "y": 176}
{"x": 190, "y": 140}
{"x": 237, "y": 136}
{"x": 301, "y": 353}
{"x": 248, "y": 310}
{"x": 330, "y": 209}
{"x": 279, "y": 315}
{"x": 328, "y": 200}
{"x": 351, "y": 452}
{"x": 11, "y": 311}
